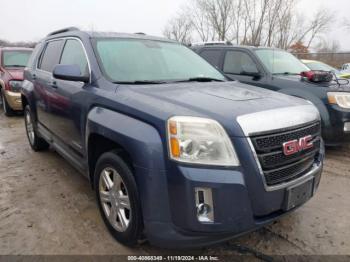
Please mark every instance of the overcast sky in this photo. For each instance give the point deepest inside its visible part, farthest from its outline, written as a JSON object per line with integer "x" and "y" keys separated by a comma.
{"x": 30, "y": 20}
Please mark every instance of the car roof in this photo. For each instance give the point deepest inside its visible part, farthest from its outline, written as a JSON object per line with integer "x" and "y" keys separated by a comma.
{"x": 75, "y": 32}
{"x": 225, "y": 46}
{"x": 306, "y": 61}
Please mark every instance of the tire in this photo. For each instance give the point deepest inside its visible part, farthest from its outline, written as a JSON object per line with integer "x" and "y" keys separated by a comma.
{"x": 119, "y": 201}
{"x": 36, "y": 142}
{"x": 5, "y": 106}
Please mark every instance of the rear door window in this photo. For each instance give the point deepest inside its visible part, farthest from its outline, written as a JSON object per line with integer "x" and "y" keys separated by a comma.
{"x": 51, "y": 55}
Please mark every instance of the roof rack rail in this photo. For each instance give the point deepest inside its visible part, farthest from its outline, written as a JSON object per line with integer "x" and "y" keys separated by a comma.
{"x": 64, "y": 30}
{"x": 211, "y": 43}
{"x": 139, "y": 33}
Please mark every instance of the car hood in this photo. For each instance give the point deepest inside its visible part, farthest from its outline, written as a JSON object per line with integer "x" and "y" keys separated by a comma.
{"x": 16, "y": 74}
{"x": 297, "y": 81}
{"x": 222, "y": 101}
{"x": 344, "y": 75}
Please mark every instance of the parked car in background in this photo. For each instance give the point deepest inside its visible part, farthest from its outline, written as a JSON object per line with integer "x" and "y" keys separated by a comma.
{"x": 280, "y": 71}
{"x": 317, "y": 65}
{"x": 12, "y": 63}
{"x": 345, "y": 67}
{"x": 172, "y": 149}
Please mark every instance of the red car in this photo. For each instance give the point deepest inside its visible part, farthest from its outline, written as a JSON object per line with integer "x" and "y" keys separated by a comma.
{"x": 12, "y": 63}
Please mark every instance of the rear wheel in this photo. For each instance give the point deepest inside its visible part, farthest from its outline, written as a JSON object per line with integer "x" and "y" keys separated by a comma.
{"x": 7, "y": 109}
{"x": 118, "y": 198}
{"x": 36, "y": 142}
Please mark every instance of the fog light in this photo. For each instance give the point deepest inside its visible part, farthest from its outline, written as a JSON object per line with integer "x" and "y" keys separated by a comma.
{"x": 204, "y": 205}
{"x": 203, "y": 209}
{"x": 347, "y": 127}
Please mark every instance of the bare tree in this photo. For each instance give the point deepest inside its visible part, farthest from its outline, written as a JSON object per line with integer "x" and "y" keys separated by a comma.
{"x": 17, "y": 44}
{"x": 240, "y": 24}
{"x": 325, "y": 46}
{"x": 320, "y": 22}
{"x": 219, "y": 15}
{"x": 256, "y": 12}
{"x": 200, "y": 21}
{"x": 279, "y": 12}
{"x": 289, "y": 29}
{"x": 253, "y": 22}
{"x": 179, "y": 28}
{"x": 344, "y": 23}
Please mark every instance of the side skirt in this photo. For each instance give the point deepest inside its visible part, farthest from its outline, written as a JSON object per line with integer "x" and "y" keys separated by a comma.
{"x": 73, "y": 158}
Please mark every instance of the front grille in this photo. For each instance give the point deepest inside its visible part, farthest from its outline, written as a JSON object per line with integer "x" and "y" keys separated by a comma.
{"x": 276, "y": 166}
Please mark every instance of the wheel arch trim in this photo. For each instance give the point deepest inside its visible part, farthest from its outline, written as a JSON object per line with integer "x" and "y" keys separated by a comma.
{"x": 139, "y": 139}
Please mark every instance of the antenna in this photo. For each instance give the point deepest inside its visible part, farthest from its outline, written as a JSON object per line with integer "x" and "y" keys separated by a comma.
{"x": 273, "y": 61}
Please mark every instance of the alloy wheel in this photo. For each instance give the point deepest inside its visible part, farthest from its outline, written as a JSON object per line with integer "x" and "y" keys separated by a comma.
{"x": 114, "y": 199}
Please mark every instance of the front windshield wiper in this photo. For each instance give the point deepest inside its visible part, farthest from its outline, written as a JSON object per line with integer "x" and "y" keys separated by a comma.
{"x": 287, "y": 74}
{"x": 150, "y": 82}
{"x": 140, "y": 82}
{"x": 14, "y": 66}
{"x": 200, "y": 79}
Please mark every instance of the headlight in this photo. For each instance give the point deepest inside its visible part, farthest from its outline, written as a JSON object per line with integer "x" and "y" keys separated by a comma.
{"x": 15, "y": 85}
{"x": 200, "y": 141}
{"x": 341, "y": 99}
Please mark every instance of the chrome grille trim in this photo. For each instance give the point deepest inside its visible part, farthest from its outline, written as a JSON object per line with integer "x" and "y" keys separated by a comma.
{"x": 275, "y": 121}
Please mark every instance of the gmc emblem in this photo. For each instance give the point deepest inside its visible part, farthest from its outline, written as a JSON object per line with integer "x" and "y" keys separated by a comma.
{"x": 295, "y": 146}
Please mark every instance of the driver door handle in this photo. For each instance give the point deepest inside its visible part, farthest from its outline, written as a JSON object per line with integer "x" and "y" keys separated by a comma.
{"x": 53, "y": 83}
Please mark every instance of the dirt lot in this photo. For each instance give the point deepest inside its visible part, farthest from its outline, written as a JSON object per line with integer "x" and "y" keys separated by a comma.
{"x": 46, "y": 207}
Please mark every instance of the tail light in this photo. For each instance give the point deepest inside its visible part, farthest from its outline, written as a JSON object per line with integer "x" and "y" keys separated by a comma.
{"x": 317, "y": 76}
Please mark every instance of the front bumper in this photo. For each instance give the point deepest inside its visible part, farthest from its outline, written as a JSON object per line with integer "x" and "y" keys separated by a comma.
{"x": 14, "y": 100}
{"x": 333, "y": 130}
{"x": 238, "y": 207}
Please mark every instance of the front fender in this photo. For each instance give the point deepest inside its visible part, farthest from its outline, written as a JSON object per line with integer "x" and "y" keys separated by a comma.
{"x": 141, "y": 140}
{"x": 144, "y": 145}
{"x": 28, "y": 92}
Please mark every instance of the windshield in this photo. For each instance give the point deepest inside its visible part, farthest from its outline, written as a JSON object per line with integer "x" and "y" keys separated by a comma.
{"x": 132, "y": 60}
{"x": 16, "y": 58}
{"x": 281, "y": 62}
{"x": 321, "y": 66}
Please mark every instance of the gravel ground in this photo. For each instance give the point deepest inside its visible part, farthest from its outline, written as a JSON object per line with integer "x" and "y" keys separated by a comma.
{"x": 46, "y": 207}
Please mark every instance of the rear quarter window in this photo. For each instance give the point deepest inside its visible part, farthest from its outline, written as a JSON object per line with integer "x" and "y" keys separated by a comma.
{"x": 31, "y": 61}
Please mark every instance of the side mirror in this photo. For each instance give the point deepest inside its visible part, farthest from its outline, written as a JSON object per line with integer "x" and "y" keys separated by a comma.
{"x": 252, "y": 74}
{"x": 250, "y": 70}
{"x": 70, "y": 73}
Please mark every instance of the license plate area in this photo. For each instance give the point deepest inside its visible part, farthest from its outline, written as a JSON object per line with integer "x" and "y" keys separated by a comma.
{"x": 298, "y": 194}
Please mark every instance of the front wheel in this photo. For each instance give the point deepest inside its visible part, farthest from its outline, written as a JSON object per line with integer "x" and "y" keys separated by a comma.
{"x": 36, "y": 142}
{"x": 5, "y": 106}
{"x": 118, "y": 198}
